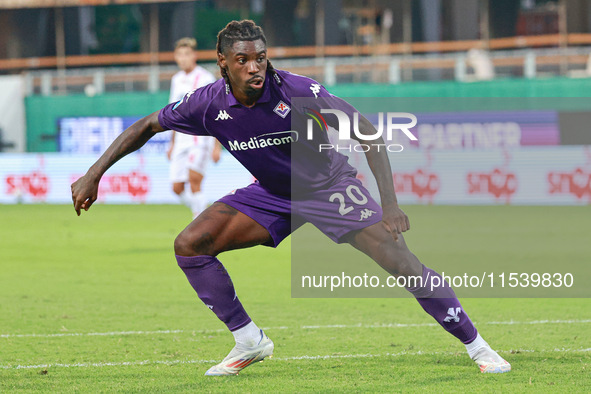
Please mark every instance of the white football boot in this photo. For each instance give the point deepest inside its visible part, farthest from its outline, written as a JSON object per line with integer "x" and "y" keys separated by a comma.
{"x": 241, "y": 357}
{"x": 489, "y": 361}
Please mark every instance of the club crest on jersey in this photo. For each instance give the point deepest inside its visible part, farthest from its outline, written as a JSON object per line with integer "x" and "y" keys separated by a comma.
{"x": 282, "y": 109}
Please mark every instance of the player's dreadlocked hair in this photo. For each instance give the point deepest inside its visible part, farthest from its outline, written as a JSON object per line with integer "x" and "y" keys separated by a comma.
{"x": 244, "y": 30}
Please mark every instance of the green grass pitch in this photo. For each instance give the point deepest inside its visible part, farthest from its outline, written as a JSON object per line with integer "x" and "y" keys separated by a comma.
{"x": 97, "y": 304}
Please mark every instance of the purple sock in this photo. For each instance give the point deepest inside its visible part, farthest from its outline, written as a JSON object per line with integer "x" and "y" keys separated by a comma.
{"x": 441, "y": 303}
{"x": 213, "y": 285}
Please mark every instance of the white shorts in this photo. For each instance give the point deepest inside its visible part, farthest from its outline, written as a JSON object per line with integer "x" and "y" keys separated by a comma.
{"x": 195, "y": 158}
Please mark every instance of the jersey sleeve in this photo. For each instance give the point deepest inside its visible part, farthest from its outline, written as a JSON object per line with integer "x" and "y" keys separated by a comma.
{"x": 187, "y": 114}
{"x": 301, "y": 86}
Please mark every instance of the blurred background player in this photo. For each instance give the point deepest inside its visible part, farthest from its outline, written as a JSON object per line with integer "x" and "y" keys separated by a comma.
{"x": 189, "y": 155}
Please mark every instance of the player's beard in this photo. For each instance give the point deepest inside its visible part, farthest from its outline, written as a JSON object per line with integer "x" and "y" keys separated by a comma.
{"x": 252, "y": 91}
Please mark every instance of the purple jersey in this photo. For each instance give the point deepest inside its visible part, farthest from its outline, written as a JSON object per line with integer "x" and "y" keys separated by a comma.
{"x": 262, "y": 137}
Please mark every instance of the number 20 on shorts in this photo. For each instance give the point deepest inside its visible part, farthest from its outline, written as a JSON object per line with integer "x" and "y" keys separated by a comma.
{"x": 358, "y": 198}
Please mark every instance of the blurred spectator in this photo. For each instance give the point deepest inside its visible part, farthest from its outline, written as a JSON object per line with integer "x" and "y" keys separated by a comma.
{"x": 480, "y": 62}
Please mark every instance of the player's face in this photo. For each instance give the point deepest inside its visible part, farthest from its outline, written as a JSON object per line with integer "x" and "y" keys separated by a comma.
{"x": 185, "y": 58}
{"x": 246, "y": 66}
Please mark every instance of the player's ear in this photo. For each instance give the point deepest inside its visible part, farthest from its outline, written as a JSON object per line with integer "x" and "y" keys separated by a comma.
{"x": 221, "y": 60}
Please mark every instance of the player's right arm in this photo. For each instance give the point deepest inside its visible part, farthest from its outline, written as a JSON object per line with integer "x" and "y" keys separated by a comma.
{"x": 85, "y": 189}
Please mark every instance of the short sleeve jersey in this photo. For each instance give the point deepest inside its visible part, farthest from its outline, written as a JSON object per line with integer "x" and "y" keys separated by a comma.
{"x": 183, "y": 82}
{"x": 180, "y": 84}
{"x": 261, "y": 137}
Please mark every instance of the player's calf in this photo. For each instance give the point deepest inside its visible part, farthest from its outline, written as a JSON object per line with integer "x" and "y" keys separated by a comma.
{"x": 213, "y": 285}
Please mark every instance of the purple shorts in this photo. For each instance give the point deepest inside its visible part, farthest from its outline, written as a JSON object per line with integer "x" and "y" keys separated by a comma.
{"x": 344, "y": 207}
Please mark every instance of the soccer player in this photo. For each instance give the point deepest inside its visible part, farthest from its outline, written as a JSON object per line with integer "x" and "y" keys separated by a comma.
{"x": 190, "y": 154}
{"x": 246, "y": 105}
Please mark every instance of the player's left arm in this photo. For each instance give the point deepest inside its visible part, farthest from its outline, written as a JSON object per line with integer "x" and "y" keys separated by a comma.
{"x": 216, "y": 153}
{"x": 394, "y": 219}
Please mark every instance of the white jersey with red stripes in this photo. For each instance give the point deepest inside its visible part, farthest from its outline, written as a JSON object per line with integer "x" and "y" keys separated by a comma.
{"x": 182, "y": 83}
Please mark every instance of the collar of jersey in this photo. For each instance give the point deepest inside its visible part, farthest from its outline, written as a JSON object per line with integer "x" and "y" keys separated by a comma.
{"x": 265, "y": 98}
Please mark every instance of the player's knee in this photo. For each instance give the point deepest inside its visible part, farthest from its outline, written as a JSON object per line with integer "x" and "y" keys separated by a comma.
{"x": 181, "y": 247}
{"x": 194, "y": 244}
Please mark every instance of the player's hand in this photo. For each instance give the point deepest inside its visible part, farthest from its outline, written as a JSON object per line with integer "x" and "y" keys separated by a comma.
{"x": 395, "y": 221}
{"x": 84, "y": 193}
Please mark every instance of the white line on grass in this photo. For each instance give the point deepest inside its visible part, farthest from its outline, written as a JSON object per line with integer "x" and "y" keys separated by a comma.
{"x": 389, "y": 325}
{"x": 92, "y": 334}
{"x": 325, "y": 357}
{"x": 540, "y": 322}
